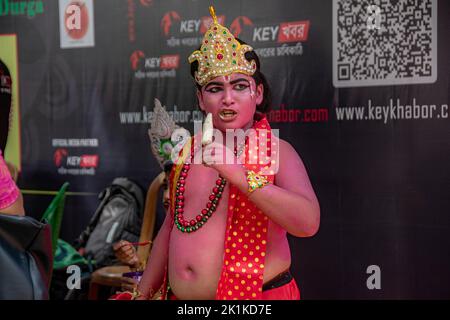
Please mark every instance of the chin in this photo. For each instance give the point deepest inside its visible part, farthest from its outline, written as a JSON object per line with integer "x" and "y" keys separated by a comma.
{"x": 230, "y": 126}
{"x": 235, "y": 124}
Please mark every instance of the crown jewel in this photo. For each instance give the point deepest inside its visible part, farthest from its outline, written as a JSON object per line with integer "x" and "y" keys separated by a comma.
{"x": 220, "y": 54}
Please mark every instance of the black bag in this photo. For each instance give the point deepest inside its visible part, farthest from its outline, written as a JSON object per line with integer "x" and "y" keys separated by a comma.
{"x": 119, "y": 216}
{"x": 26, "y": 259}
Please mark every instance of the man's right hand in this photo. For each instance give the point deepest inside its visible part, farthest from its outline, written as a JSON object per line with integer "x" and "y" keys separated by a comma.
{"x": 126, "y": 253}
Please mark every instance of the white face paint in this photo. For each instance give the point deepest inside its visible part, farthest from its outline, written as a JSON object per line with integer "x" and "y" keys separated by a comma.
{"x": 252, "y": 91}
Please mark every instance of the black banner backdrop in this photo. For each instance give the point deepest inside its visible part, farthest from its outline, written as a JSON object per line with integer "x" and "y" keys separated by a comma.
{"x": 361, "y": 90}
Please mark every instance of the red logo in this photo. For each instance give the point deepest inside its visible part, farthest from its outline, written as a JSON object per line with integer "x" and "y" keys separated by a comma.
{"x": 238, "y": 23}
{"x": 146, "y": 3}
{"x": 59, "y": 156}
{"x": 293, "y": 31}
{"x": 135, "y": 58}
{"x": 76, "y": 20}
{"x": 168, "y": 20}
{"x": 89, "y": 161}
{"x": 207, "y": 21}
{"x": 170, "y": 61}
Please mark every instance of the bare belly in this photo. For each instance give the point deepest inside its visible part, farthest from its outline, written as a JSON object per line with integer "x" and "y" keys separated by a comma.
{"x": 195, "y": 259}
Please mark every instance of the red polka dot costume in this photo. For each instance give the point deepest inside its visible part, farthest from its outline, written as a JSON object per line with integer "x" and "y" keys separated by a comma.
{"x": 246, "y": 231}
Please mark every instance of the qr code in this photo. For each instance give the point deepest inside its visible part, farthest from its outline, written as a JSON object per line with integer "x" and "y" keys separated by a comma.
{"x": 384, "y": 42}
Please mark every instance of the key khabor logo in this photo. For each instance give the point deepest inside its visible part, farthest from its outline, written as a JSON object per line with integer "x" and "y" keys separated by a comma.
{"x": 172, "y": 23}
{"x": 62, "y": 158}
{"x": 238, "y": 25}
{"x": 75, "y": 164}
{"x": 76, "y": 23}
{"x": 138, "y": 60}
{"x": 154, "y": 67}
{"x": 180, "y": 31}
{"x": 168, "y": 20}
{"x": 283, "y": 32}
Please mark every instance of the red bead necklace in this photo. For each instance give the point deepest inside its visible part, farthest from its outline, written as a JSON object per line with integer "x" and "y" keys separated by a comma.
{"x": 214, "y": 198}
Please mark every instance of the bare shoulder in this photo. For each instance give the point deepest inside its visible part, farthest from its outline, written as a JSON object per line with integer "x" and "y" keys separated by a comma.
{"x": 292, "y": 174}
{"x": 287, "y": 155}
{"x": 286, "y": 146}
{"x": 16, "y": 208}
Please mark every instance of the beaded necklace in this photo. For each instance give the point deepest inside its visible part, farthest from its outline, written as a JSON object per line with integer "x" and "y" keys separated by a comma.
{"x": 188, "y": 226}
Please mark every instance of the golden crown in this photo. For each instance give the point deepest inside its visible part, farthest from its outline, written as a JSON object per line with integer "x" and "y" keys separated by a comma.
{"x": 220, "y": 54}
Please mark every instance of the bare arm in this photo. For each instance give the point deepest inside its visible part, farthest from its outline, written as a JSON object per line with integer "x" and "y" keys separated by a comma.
{"x": 126, "y": 253}
{"x": 10, "y": 196}
{"x": 16, "y": 208}
{"x": 153, "y": 276}
{"x": 291, "y": 202}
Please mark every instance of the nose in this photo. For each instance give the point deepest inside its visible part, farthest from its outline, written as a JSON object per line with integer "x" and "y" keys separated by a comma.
{"x": 228, "y": 99}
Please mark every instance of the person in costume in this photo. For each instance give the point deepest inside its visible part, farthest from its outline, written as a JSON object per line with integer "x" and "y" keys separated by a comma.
{"x": 5, "y": 104}
{"x": 226, "y": 235}
{"x": 11, "y": 201}
{"x": 164, "y": 135}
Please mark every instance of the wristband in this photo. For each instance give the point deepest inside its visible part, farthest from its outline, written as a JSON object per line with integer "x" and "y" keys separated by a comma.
{"x": 255, "y": 181}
